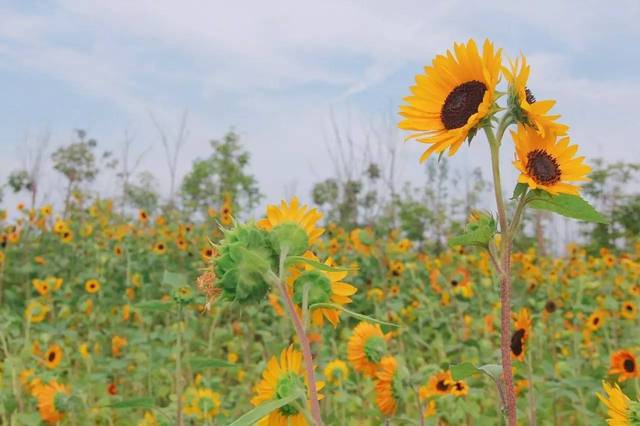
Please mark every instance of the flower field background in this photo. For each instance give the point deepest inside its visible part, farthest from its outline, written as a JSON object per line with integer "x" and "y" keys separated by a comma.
{"x": 374, "y": 305}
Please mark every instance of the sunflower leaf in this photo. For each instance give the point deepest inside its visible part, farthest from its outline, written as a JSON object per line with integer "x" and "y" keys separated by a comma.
{"x": 567, "y": 205}
{"x": 351, "y": 313}
{"x": 134, "y": 403}
{"x": 292, "y": 260}
{"x": 520, "y": 189}
{"x": 478, "y": 233}
{"x": 462, "y": 371}
{"x": 250, "y": 418}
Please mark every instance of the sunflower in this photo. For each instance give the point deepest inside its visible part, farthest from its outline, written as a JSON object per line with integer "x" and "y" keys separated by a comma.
{"x": 41, "y": 286}
{"x": 336, "y": 372}
{"x": 624, "y": 364}
{"x": 36, "y": 312}
{"x": 362, "y": 240}
{"x": 521, "y": 334}
{"x": 452, "y": 97}
{"x": 524, "y": 106}
{"x": 547, "y": 163}
{"x": 53, "y": 356}
{"x": 628, "y": 310}
{"x": 294, "y": 223}
{"x": 388, "y": 390}
{"x": 202, "y": 403}
{"x": 52, "y": 400}
{"x": 321, "y": 287}
{"x": 92, "y": 286}
{"x": 438, "y": 384}
{"x": 366, "y": 347}
{"x": 207, "y": 253}
{"x": 117, "y": 343}
{"x": 279, "y": 380}
{"x": 620, "y": 409}
{"x": 159, "y": 248}
{"x": 459, "y": 388}
{"x": 596, "y": 320}
{"x": 143, "y": 216}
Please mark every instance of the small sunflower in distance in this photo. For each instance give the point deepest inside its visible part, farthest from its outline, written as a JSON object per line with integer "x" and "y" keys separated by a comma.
{"x": 388, "y": 389}
{"x": 279, "y": 380}
{"x": 621, "y": 410}
{"x": 548, "y": 164}
{"x": 366, "y": 348}
{"x": 524, "y": 105}
{"x": 202, "y": 403}
{"x": 92, "y": 286}
{"x": 292, "y": 225}
{"x": 336, "y": 372}
{"x": 53, "y": 356}
{"x": 452, "y": 97}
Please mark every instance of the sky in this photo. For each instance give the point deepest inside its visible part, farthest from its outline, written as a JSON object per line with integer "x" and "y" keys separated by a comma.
{"x": 276, "y": 71}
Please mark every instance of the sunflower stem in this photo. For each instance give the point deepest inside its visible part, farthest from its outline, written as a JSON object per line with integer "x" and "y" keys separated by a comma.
{"x": 179, "y": 417}
{"x": 505, "y": 279}
{"x": 302, "y": 337}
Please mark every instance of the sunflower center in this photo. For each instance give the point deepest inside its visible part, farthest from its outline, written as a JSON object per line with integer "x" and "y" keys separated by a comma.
{"x": 529, "y": 96}
{"x": 442, "y": 385}
{"x": 596, "y": 321}
{"x": 629, "y": 308}
{"x": 517, "y": 342}
{"x": 629, "y": 365}
{"x": 52, "y": 356}
{"x": 462, "y": 103}
{"x": 543, "y": 168}
{"x": 550, "y": 306}
{"x": 374, "y": 348}
{"x": 287, "y": 385}
{"x": 454, "y": 283}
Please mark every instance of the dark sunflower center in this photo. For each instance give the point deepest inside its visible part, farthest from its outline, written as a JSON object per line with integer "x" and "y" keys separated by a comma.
{"x": 52, "y": 356}
{"x": 454, "y": 283}
{"x": 550, "y": 306}
{"x": 462, "y": 103}
{"x": 529, "y": 96}
{"x": 596, "y": 321}
{"x": 459, "y": 386}
{"x": 629, "y": 365}
{"x": 543, "y": 168}
{"x": 629, "y": 308}
{"x": 517, "y": 343}
{"x": 442, "y": 385}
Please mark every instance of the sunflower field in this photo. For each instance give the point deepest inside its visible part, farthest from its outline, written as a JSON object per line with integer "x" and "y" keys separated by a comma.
{"x": 155, "y": 317}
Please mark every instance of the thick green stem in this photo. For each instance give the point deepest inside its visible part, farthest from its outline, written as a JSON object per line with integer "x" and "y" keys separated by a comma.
{"x": 505, "y": 281}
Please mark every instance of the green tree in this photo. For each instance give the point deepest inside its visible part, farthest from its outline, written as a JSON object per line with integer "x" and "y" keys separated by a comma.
{"x": 143, "y": 194}
{"x": 223, "y": 172}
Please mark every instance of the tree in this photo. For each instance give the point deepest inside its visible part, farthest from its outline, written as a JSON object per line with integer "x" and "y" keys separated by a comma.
{"x": 224, "y": 172}
{"x": 77, "y": 162}
{"x": 143, "y": 194}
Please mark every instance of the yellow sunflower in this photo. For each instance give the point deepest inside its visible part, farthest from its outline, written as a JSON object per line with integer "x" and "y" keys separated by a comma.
{"x": 321, "y": 287}
{"x": 596, "y": 320}
{"x": 438, "y": 384}
{"x": 547, "y": 163}
{"x": 51, "y": 401}
{"x": 53, "y": 356}
{"x": 201, "y": 403}
{"x": 279, "y": 380}
{"x": 527, "y": 109}
{"x": 336, "y": 372}
{"x": 452, "y": 96}
{"x": 92, "y": 286}
{"x": 388, "y": 386}
{"x": 366, "y": 347}
{"x": 521, "y": 334}
{"x": 36, "y": 312}
{"x": 628, "y": 310}
{"x": 618, "y": 406}
{"x": 294, "y": 222}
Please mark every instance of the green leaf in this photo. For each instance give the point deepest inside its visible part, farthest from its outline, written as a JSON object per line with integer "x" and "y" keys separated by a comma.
{"x": 478, "y": 233}
{"x": 202, "y": 363}
{"x": 462, "y": 371}
{"x": 572, "y": 206}
{"x": 292, "y": 260}
{"x": 134, "y": 403}
{"x": 351, "y": 313}
{"x": 174, "y": 279}
{"x": 494, "y": 371}
{"x": 153, "y": 305}
{"x": 520, "y": 189}
{"x": 250, "y": 418}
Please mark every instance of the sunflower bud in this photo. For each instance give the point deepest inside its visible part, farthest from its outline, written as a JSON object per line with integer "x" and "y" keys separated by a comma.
{"x": 183, "y": 295}
{"x": 245, "y": 258}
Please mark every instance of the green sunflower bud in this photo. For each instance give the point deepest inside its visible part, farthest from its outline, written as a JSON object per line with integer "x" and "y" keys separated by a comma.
{"x": 245, "y": 258}
{"x": 183, "y": 295}
{"x": 318, "y": 287}
{"x": 289, "y": 236}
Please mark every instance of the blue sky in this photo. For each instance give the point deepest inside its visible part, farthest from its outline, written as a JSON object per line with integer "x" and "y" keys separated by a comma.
{"x": 275, "y": 70}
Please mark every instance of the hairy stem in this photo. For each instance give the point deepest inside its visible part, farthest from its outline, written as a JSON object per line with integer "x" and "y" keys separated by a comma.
{"x": 304, "y": 342}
